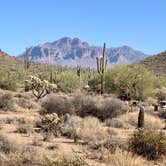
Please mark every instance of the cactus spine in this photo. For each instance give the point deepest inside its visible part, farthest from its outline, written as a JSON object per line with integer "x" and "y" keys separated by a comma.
{"x": 141, "y": 118}
{"x": 101, "y": 67}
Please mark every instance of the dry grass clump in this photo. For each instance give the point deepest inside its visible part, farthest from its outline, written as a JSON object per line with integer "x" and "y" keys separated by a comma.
{"x": 115, "y": 122}
{"x": 87, "y": 129}
{"x": 5, "y": 145}
{"x": 27, "y": 156}
{"x": 151, "y": 121}
{"x": 124, "y": 158}
{"x": 74, "y": 160}
{"x": 6, "y": 102}
{"x": 37, "y": 140}
{"x": 24, "y": 103}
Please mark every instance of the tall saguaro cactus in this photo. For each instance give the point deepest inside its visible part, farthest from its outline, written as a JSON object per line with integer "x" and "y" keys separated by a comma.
{"x": 26, "y": 61}
{"x": 101, "y": 67}
{"x": 79, "y": 73}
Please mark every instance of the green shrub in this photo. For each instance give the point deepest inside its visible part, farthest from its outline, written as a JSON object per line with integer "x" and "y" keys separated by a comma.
{"x": 148, "y": 143}
{"x": 67, "y": 82}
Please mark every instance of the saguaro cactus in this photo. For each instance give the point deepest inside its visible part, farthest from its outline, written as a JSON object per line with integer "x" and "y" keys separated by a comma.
{"x": 101, "y": 67}
{"x": 141, "y": 118}
{"x": 26, "y": 61}
{"x": 79, "y": 73}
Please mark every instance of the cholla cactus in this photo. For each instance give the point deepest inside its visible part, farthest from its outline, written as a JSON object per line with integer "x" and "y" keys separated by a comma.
{"x": 40, "y": 88}
{"x": 50, "y": 123}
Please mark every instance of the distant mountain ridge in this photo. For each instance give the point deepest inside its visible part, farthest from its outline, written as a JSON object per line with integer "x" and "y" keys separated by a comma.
{"x": 71, "y": 52}
{"x": 156, "y": 63}
{"x": 7, "y": 57}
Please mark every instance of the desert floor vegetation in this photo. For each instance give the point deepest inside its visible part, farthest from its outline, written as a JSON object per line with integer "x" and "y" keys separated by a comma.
{"x": 65, "y": 120}
{"x": 70, "y": 129}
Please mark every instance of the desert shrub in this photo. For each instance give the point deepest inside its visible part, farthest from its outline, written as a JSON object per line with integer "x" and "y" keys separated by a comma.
{"x": 24, "y": 103}
{"x": 161, "y": 95}
{"x": 148, "y": 143}
{"x": 100, "y": 108}
{"x": 56, "y": 104}
{"x": 21, "y": 120}
{"x": 8, "y": 120}
{"x": 85, "y": 105}
{"x": 6, "y": 102}
{"x": 67, "y": 161}
{"x": 5, "y": 145}
{"x": 24, "y": 128}
{"x": 7, "y": 82}
{"x": 110, "y": 108}
{"x": 25, "y": 156}
{"x": 162, "y": 114}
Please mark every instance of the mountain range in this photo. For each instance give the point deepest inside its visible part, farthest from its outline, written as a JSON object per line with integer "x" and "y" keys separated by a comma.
{"x": 72, "y": 52}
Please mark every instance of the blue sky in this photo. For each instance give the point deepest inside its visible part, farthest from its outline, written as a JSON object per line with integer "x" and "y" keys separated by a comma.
{"x": 140, "y": 24}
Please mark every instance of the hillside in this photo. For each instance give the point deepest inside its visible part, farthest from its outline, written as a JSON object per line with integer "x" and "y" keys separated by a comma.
{"x": 157, "y": 63}
{"x": 70, "y": 52}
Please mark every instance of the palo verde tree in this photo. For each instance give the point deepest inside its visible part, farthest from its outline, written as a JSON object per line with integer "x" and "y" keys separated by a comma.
{"x": 101, "y": 68}
{"x": 131, "y": 81}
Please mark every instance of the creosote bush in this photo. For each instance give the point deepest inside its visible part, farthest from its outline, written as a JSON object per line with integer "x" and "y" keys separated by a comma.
{"x": 148, "y": 143}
